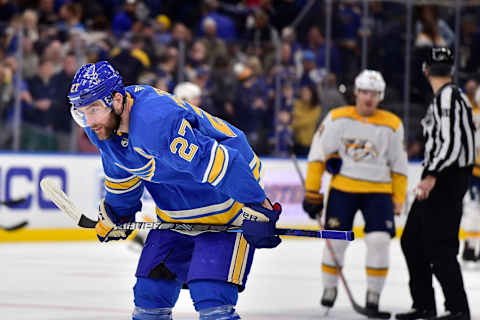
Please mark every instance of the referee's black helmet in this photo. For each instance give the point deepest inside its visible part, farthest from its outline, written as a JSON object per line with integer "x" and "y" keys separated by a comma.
{"x": 439, "y": 62}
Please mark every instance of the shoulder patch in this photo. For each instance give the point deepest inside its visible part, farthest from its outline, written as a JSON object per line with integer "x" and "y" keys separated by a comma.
{"x": 138, "y": 88}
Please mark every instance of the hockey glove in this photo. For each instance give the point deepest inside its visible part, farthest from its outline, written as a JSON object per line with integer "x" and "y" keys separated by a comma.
{"x": 334, "y": 163}
{"x": 259, "y": 225}
{"x": 105, "y": 227}
{"x": 313, "y": 204}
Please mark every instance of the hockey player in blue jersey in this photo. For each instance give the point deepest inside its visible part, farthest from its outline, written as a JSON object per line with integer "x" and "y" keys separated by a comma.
{"x": 198, "y": 169}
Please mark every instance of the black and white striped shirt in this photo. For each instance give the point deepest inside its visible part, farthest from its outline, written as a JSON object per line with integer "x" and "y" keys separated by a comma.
{"x": 449, "y": 131}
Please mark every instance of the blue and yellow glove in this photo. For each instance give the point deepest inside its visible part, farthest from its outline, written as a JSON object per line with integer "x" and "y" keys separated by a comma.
{"x": 259, "y": 225}
{"x": 105, "y": 227}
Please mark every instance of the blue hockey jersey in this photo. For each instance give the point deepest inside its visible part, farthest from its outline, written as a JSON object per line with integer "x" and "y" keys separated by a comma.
{"x": 197, "y": 168}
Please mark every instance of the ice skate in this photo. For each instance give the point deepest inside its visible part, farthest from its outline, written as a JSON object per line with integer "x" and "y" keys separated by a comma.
{"x": 328, "y": 299}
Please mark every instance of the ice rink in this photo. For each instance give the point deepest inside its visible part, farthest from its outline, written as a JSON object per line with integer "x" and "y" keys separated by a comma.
{"x": 89, "y": 280}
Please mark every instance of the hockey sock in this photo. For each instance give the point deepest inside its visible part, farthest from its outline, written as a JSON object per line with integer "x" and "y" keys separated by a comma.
{"x": 329, "y": 270}
{"x": 378, "y": 257}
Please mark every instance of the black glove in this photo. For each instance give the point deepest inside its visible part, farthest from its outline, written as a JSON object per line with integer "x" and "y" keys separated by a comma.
{"x": 313, "y": 204}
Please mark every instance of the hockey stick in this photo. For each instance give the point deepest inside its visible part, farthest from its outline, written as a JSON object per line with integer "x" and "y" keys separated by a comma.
{"x": 64, "y": 203}
{"x": 358, "y": 308}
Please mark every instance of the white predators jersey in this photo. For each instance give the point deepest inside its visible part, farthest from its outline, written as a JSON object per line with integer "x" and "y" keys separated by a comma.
{"x": 372, "y": 151}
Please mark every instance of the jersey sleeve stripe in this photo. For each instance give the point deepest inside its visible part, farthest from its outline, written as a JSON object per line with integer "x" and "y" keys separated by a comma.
{"x": 195, "y": 212}
{"x": 122, "y": 191}
{"x": 253, "y": 162}
{"x": 256, "y": 169}
{"x": 224, "y": 166}
{"x": 210, "y": 162}
{"x": 219, "y": 217}
{"x": 120, "y": 180}
{"x": 122, "y": 185}
{"x": 217, "y": 165}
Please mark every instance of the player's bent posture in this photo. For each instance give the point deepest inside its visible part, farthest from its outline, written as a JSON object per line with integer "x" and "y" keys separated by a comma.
{"x": 197, "y": 168}
{"x": 362, "y": 147}
{"x": 192, "y": 93}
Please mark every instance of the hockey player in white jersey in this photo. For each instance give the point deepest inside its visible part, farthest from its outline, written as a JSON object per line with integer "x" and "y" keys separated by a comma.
{"x": 363, "y": 148}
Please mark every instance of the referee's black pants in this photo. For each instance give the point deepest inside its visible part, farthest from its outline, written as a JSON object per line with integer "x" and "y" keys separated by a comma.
{"x": 430, "y": 242}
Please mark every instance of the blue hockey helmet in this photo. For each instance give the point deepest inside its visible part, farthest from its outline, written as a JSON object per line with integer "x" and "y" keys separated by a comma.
{"x": 94, "y": 82}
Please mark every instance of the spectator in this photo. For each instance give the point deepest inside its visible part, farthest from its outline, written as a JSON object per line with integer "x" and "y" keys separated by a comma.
{"x": 429, "y": 36}
{"x": 306, "y": 115}
{"x": 30, "y": 59}
{"x": 162, "y": 25}
{"x": 316, "y": 44}
{"x": 251, "y": 109}
{"x": 225, "y": 26}
{"x": 311, "y": 75}
{"x": 55, "y": 54}
{"x": 60, "y": 116}
{"x": 434, "y": 29}
{"x": 126, "y": 63}
{"x": 223, "y": 85}
{"x": 284, "y": 120}
{"x": 180, "y": 32}
{"x": 214, "y": 45}
{"x": 37, "y": 134}
{"x": 123, "y": 20}
{"x": 6, "y": 89}
{"x": 201, "y": 78}
{"x": 30, "y": 25}
{"x": 46, "y": 12}
{"x": 198, "y": 56}
{"x": 9, "y": 70}
{"x": 71, "y": 16}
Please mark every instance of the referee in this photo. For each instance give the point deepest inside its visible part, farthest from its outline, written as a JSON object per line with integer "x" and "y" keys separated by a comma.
{"x": 430, "y": 238}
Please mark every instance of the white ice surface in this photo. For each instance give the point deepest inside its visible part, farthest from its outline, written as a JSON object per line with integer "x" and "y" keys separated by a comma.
{"x": 88, "y": 280}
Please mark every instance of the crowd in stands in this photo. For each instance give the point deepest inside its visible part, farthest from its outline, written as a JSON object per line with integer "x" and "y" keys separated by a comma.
{"x": 237, "y": 52}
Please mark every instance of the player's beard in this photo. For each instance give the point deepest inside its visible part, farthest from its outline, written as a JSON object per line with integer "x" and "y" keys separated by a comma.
{"x": 106, "y": 130}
